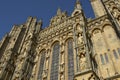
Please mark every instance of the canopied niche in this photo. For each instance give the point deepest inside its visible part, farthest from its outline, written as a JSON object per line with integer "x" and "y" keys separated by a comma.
{"x": 98, "y": 40}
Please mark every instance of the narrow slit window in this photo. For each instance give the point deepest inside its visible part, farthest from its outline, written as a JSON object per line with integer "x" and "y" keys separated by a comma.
{"x": 115, "y": 54}
{"x": 102, "y": 59}
{"x": 106, "y": 58}
{"x": 118, "y": 51}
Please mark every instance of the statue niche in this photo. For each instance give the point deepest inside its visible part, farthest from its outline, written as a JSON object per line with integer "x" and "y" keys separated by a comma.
{"x": 82, "y": 62}
{"x": 62, "y": 76}
{"x": 80, "y": 39}
{"x": 47, "y": 60}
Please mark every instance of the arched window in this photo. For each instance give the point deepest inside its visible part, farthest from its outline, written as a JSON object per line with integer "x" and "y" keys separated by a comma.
{"x": 42, "y": 59}
{"x": 102, "y": 59}
{"x": 106, "y": 58}
{"x": 115, "y": 54}
{"x": 70, "y": 59}
{"x": 118, "y": 51}
{"x": 55, "y": 62}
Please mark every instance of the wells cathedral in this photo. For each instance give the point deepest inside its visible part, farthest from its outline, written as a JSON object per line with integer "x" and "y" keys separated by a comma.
{"x": 70, "y": 48}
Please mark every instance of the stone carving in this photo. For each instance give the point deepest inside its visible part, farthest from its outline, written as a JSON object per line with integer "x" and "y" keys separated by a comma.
{"x": 36, "y": 59}
{"x": 62, "y": 58}
{"x": 35, "y": 65}
{"x": 53, "y": 29}
{"x": 80, "y": 39}
{"x": 47, "y": 53}
{"x": 44, "y": 74}
{"x": 62, "y": 47}
{"x": 62, "y": 76}
{"x": 19, "y": 65}
{"x": 61, "y": 67}
{"x": 116, "y": 12}
{"x": 47, "y": 60}
{"x": 46, "y": 64}
{"x": 118, "y": 19}
{"x": 82, "y": 62}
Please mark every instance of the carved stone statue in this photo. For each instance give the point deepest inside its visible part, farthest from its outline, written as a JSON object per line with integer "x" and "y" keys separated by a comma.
{"x": 36, "y": 59}
{"x": 82, "y": 62}
{"x": 62, "y": 68}
{"x": 80, "y": 39}
{"x": 118, "y": 20}
{"x": 44, "y": 73}
{"x": 19, "y": 65}
{"x": 47, "y": 54}
{"x": 46, "y": 64}
{"x": 62, "y": 76}
{"x": 116, "y": 12}
{"x": 62, "y": 47}
{"x": 62, "y": 58}
{"x": 34, "y": 69}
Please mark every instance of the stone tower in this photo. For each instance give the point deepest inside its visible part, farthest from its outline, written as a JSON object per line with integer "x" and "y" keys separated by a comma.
{"x": 70, "y": 48}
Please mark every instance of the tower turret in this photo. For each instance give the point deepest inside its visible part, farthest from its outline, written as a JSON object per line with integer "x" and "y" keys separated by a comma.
{"x": 97, "y": 8}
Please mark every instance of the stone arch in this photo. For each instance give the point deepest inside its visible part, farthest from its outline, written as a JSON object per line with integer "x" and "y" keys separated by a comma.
{"x": 76, "y": 12}
{"x": 105, "y": 26}
{"x": 112, "y": 2}
{"x": 54, "y": 42}
{"x": 78, "y": 27}
{"x": 42, "y": 50}
{"x": 93, "y": 31}
{"x": 97, "y": 39}
{"x": 68, "y": 38}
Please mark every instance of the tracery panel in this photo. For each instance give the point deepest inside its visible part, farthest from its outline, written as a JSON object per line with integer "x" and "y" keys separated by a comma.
{"x": 55, "y": 62}
{"x": 70, "y": 59}
{"x": 42, "y": 60}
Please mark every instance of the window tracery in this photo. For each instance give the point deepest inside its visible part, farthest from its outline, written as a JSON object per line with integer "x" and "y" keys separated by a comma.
{"x": 70, "y": 59}
{"x": 55, "y": 62}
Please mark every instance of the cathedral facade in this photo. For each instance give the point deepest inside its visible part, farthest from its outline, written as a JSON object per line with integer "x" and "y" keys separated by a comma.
{"x": 70, "y": 48}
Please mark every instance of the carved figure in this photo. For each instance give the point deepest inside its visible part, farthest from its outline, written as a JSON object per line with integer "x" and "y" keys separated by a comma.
{"x": 79, "y": 39}
{"x": 46, "y": 65}
{"x": 82, "y": 62}
{"x": 62, "y": 77}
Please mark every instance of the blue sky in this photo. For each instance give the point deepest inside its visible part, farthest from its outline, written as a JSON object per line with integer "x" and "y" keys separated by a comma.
{"x": 16, "y": 11}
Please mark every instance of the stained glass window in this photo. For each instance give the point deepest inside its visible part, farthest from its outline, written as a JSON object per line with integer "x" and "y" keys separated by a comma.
{"x": 70, "y": 60}
{"x": 41, "y": 65}
{"x": 55, "y": 62}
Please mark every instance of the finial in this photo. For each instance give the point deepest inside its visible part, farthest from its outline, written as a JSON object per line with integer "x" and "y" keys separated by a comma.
{"x": 59, "y": 11}
{"x": 77, "y": 1}
{"x": 78, "y": 6}
{"x": 40, "y": 22}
